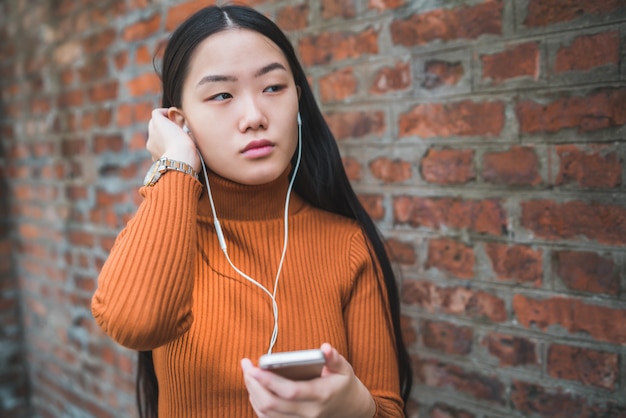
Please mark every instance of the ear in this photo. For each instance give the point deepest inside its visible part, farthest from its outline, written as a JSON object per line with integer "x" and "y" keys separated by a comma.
{"x": 176, "y": 115}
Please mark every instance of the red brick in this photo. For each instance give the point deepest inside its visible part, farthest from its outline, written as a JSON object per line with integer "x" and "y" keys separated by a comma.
{"x": 465, "y": 118}
{"x": 600, "y": 168}
{"x": 66, "y": 77}
{"x": 337, "y": 46}
{"x": 121, "y": 59}
{"x": 103, "y": 91}
{"x": 590, "y": 367}
{"x": 142, "y": 111}
{"x": 107, "y": 199}
{"x": 439, "y": 73}
{"x": 447, "y": 337}
{"x": 382, "y": 5}
{"x": 72, "y": 147}
{"x": 148, "y": 83}
{"x": 596, "y": 111}
{"x": 390, "y": 79}
{"x": 293, "y": 17}
{"x": 103, "y": 143}
{"x": 73, "y": 98}
{"x": 532, "y": 399}
{"x": 338, "y": 85}
{"x": 75, "y": 193}
{"x": 356, "y": 124}
{"x": 40, "y": 105}
{"x": 466, "y": 22}
{"x": 516, "y": 61}
{"x": 511, "y": 350}
{"x": 589, "y": 51}
{"x": 91, "y": 18}
{"x": 487, "y": 216}
{"x": 103, "y": 117}
{"x": 352, "y": 167}
{"x": 85, "y": 284}
{"x": 131, "y": 113}
{"x": 143, "y": 55}
{"x": 572, "y": 220}
{"x": 409, "y": 333}
{"x": 519, "y": 166}
{"x": 80, "y": 238}
{"x": 43, "y": 149}
{"x": 452, "y": 257}
{"x": 338, "y": 8}
{"x": 373, "y": 205}
{"x": 99, "y": 41}
{"x": 440, "y": 410}
{"x": 587, "y": 272}
{"x": 391, "y": 171}
{"x": 138, "y": 142}
{"x": 548, "y": 12}
{"x": 19, "y": 151}
{"x": 454, "y": 300}
{"x": 438, "y": 374}
{"x": 401, "y": 252}
{"x": 106, "y": 243}
{"x": 177, "y": 14}
{"x": 86, "y": 123}
{"x": 519, "y": 263}
{"x": 599, "y": 322}
{"x": 142, "y": 29}
{"x": 448, "y": 166}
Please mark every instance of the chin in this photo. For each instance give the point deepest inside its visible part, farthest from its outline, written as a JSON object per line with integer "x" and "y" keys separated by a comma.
{"x": 260, "y": 177}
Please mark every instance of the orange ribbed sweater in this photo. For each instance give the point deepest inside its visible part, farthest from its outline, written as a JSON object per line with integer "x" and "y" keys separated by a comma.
{"x": 167, "y": 287}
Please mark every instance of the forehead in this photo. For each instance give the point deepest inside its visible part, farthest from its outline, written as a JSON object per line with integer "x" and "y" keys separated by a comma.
{"x": 233, "y": 52}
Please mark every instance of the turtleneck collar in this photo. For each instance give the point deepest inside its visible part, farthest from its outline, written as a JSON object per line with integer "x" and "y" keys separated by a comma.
{"x": 235, "y": 201}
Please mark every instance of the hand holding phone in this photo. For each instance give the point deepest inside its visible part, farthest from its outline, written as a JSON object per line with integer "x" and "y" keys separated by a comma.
{"x": 295, "y": 365}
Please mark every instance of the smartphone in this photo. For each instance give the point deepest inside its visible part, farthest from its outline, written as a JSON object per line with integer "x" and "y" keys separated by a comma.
{"x": 295, "y": 365}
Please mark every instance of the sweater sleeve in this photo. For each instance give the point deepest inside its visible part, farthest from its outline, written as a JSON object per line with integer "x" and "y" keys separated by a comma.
{"x": 144, "y": 294}
{"x": 371, "y": 341}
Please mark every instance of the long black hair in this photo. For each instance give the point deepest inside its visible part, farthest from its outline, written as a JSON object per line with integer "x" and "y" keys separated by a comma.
{"x": 321, "y": 179}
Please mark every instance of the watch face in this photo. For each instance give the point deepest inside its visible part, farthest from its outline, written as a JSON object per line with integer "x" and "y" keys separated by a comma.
{"x": 153, "y": 174}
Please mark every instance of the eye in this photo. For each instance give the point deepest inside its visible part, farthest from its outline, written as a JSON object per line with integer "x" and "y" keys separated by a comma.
{"x": 275, "y": 88}
{"x": 221, "y": 96}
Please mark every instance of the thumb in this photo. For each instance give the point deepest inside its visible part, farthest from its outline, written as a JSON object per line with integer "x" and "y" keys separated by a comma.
{"x": 335, "y": 362}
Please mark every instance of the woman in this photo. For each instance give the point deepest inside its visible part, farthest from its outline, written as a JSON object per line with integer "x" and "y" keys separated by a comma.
{"x": 223, "y": 262}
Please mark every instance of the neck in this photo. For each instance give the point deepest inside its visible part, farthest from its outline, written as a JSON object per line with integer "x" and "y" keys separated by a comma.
{"x": 235, "y": 201}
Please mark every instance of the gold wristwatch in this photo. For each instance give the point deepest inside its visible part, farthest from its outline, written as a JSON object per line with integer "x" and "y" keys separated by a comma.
{"x": 163, "y": 164}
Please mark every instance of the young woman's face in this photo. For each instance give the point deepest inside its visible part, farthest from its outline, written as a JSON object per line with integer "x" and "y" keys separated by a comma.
{"x": 240, "y": 102}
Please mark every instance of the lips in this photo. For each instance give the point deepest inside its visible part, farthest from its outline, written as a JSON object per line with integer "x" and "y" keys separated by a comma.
{"x": 258, "y": 148}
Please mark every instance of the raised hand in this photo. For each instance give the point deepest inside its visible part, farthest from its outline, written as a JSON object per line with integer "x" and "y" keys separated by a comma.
{"x": 167, "y": 139}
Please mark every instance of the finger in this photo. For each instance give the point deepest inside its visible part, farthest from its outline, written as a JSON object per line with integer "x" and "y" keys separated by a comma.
{"x": 335, "y": 362}
{"x": 264, "y": 403}
{"x": 159, "y": 112}
{"x": 277, "y": 386}
{"x": 283, "y": 387}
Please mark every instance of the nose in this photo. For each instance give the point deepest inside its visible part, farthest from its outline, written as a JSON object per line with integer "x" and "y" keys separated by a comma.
{"x": 253, "y": 116}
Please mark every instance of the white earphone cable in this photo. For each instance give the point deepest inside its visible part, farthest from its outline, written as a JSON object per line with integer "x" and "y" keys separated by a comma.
{"x": 222, "y": 241}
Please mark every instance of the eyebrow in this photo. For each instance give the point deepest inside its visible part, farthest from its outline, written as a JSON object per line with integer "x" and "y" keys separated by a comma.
{"x": 224, "y": 78}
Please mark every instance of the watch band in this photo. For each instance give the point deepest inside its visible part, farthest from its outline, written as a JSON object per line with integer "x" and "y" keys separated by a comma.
{"x": 164, "y": 164}
{"x": 167, "y": 164}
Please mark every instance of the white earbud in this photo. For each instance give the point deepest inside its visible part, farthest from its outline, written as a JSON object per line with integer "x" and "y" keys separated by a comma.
{"x": 186, "y": 129}
{"x": 299, "y": 119}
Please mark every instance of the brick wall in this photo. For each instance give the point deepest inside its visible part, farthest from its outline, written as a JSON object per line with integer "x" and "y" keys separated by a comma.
{"x": 486, "y": 137}
{"x": 13, "y": 373}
